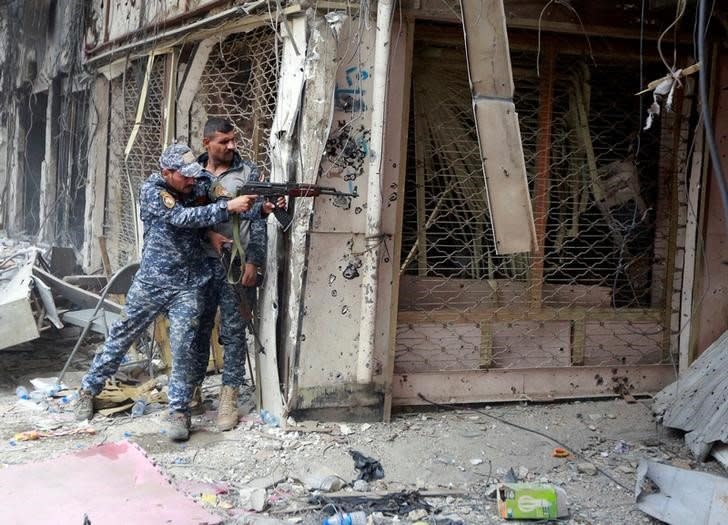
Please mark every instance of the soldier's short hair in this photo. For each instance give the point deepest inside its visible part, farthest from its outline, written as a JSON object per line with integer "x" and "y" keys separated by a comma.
{"x": 217, "y": 124}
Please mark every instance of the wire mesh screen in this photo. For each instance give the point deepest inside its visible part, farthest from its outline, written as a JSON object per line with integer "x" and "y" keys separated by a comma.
{"x": 240, "y": 83}
{"x": 589, "y": 298}
{"x": 123, "y": 185}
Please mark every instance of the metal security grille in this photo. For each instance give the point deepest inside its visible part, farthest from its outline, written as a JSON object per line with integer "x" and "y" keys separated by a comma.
{"x": 123, "y": 185}
{"x": 596, "y": 296}
{"x": 240, "y": 83}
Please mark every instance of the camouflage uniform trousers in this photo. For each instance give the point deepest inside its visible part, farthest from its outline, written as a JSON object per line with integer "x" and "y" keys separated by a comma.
{"x": 232, "y": 328}
{"x": 144, "y": 302}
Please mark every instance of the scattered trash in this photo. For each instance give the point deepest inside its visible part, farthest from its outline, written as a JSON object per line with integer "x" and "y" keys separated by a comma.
{"x": 522, "y": 472}
{"x": 138, "y": 408}
{"x": 417, "y": 514}
{"x": 34, "y": 435}
{"x": 621, "y": 447}
{"x": 21, "y": 392}
{"x": 400, "y": 503}
{"x": 529, "y": 501}
{"x": 560, "y": 453}
{"x": 346, "y": 518}
{"x": 27, "y": 404}
{"x": 476, "y": 461}
{"x": 365, "y": 427}
{"x": 369, "y": 468}
{"x": 678, "y": 496}
{"x": 361, "y": 486}
{"x": 269, "y": 419}
{"x": 321, "y": 477}
{"x": 70, "y": 398}
{"x": 47, "y": 385}
{"x": 209, "y": 499}
{"x": 345, "y": 430}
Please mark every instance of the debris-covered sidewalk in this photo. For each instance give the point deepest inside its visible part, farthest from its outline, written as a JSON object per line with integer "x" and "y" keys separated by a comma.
{"x": 438, "y": 466}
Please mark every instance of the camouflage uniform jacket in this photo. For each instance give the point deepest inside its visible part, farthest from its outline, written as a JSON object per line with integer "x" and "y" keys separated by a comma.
{"x": 173, "y": 254}
{"x": 253, "y": 229}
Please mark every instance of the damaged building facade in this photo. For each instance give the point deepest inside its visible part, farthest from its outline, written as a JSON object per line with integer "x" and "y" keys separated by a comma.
{"x": 517, "y": 233}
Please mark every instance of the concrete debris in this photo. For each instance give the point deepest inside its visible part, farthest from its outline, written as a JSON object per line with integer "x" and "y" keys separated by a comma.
{"x": 678, "y": 496}
{"x": 252, "y": 499}
{"x": 586, "y": 468}
{"x": 696, "y": 402}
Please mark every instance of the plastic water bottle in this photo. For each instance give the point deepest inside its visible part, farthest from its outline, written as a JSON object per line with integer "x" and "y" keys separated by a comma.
{"x": 347, "y": 518}
{"x": 21, "y": 392}
{"x": 37, "y": 396}
{"x": 138, "y": 408}
{"x": 269, "y": 419}
{"x": 70, "y": 398}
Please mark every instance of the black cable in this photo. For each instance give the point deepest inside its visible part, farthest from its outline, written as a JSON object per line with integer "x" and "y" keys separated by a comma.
{"x": 538, "y": 433}
{"x": 707, "y": 119}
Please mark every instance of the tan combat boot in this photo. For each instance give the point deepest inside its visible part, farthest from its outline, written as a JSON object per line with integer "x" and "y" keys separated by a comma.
{"x": 227, "y": 412}
{"x": 84, "y": 407}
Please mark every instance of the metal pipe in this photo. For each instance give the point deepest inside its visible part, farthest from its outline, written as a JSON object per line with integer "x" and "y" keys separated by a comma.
{"x": 367, "y": 326}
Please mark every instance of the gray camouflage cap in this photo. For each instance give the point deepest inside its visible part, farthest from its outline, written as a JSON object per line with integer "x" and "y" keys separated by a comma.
{"x": 180, "y": 157}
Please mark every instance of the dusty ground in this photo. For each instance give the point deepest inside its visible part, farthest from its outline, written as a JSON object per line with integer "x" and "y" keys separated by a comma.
{"x": 462, "y": 451}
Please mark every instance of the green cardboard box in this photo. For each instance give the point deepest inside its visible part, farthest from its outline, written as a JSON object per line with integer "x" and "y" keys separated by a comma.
{"x": 531, "y": 501}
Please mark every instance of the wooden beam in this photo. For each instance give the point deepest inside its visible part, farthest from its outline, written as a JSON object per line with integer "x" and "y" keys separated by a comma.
{"x": 543, "y": 171}
{"x": 486, "y": 344}
{"x": 406, "y": 55}
{"x": 691, "y": 233}
{"x": 578, "y": 341}
{"x": 496, "y": 123}
{"x": 537, "y": 384}
{"x": 545, "y": 314}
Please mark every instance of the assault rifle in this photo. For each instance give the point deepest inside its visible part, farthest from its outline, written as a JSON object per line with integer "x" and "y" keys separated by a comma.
{"x": 234, "y": 277}
{"x": 272, "y": 190}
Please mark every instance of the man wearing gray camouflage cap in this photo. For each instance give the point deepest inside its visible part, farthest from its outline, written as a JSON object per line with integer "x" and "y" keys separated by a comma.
{"x": 172, "y": 274}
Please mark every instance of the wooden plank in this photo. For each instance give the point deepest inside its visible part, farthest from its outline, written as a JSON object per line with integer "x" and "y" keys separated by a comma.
{"x": 482, "y": 386}
{"x": 505, "y": 176}
{"x": 433, "y": 293}
{"x": 545, "y": 314}
{"x": 691, "y": 234}
{"x": 190, "y": 85}
{"x": 531, "y": 344}
{"x": 711, "y": 317}
{"x": 486, "y": 344}
{"x": 623, "y": 341}
{"x": 486, "y": 44}
{"x": 420, "y": 161}
{"x": 491, "y": 81}
{"x": 438, "y": 346}
{"x": 543, "y": 170}
{"x": 403, "y": 54}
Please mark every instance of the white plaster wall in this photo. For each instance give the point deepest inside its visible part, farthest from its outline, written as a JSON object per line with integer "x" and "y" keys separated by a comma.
{"x": 329, "y": 339}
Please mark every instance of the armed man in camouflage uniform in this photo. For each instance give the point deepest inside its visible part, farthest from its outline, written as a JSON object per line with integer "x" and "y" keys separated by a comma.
{"x": 172, "y": 277}
{"x": 226, "y": 172}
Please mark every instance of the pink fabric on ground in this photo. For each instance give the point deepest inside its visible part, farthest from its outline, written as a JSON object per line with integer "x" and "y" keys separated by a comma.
{"x": 112, "y": 484}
